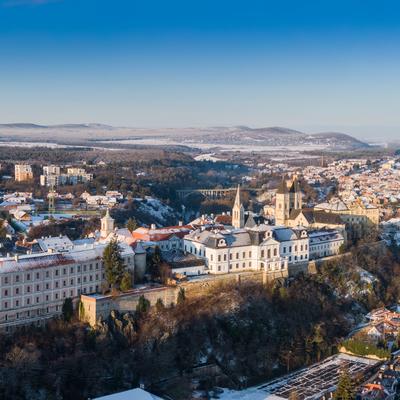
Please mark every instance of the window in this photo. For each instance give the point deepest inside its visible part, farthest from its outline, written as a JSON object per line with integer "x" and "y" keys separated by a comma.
{"x": 28, "y": 277}
{"x": 6, "y": 281}
{"x": 64, "y": 271}
{"x": 56, "y": 272}
{"x": 262, "y": 253}
{"x": 17, "y": 278}
{"x": 5, "y": 304}
{"x": 47, "y": 274}
{"x": 56, "y": 284}
{"x": 17, "y": 290}
{"x": 28, "y": 289}
{"x": 6, "y": 292}
{"x": 72, "y": 270}
{"x": 37, "y": 288}
{"x": 37, "y": 275}
{"x": 16, "y": 303}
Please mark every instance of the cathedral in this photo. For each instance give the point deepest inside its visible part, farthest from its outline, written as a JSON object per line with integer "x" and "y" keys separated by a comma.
{"x": 288, "y": 200}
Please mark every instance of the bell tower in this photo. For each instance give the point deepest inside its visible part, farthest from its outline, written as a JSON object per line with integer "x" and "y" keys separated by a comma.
{"x": 282, "y": 203}
{"x": 107, "y": 225}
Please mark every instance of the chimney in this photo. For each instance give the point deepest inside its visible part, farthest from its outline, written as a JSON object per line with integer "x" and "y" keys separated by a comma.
{"x": 16, "y": 257}
{"x": 153, "y": 226}
{"x": 180, "y": 223}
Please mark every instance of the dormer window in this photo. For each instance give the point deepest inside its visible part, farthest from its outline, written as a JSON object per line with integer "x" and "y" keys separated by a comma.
{"x": 221, "y": 242}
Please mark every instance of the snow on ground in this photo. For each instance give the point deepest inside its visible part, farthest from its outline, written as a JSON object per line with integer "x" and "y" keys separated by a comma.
{"x": 159, "y": 211}
{"x": 247, "y": 394}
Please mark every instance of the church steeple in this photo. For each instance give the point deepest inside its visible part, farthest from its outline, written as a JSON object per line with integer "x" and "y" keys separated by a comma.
{"x": 238, "y": 211}
{"x": 107, "y": 225}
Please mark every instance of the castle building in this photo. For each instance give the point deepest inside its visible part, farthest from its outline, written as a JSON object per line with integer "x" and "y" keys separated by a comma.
{"x": 260, "y": 248}
{"x": 238, "y": 211}
{"x": 288, "y": 199}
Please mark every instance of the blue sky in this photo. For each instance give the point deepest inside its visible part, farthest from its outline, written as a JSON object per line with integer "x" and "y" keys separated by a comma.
{"x": 314, "y": 65}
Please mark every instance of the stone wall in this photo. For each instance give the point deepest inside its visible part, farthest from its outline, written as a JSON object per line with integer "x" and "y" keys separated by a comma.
{"x": 96, "y": 306}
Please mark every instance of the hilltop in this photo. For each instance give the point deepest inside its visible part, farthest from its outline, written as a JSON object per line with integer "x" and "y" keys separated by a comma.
{"x": 222, "y": 137}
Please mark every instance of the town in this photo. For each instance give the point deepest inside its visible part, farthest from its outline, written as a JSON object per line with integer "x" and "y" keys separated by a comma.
{"x": 199, "y": 200}
{"x": 286, "y": 232}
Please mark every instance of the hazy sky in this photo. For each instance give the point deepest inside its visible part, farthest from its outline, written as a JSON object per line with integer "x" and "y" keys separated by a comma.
{"x": 305, "y": 64}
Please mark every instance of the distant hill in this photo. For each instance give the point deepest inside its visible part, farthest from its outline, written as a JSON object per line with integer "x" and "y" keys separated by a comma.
{"x": 267, "y": 138}
{"x": 279, "y": 136}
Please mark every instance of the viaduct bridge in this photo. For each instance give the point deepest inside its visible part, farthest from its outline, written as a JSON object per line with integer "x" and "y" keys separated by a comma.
{"x": 213, "y": 194}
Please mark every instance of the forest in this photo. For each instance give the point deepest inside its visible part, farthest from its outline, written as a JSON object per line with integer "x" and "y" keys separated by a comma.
{"x": 251, "y": 331}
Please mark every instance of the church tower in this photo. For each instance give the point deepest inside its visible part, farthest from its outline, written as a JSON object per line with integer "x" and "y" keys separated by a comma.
{"x": 238, "y": 211}
{"x": 282, "y": 203}
{"x": 288, "y": 199}
{"x": 296, "y": 200}
{"x": 107, "y": 225}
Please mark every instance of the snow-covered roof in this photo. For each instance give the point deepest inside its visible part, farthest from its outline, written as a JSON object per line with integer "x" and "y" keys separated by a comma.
{"x": 134, "y": 394}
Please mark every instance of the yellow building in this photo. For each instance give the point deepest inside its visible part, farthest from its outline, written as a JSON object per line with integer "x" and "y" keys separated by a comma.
{"x": 23, "y": 172}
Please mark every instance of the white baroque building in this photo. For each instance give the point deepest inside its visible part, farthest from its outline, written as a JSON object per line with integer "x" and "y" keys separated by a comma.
{"x": 325, "y": 243}
{"x": 263, "y": 247}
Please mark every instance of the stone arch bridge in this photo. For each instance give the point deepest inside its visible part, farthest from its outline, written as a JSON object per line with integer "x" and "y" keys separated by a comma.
{"x": 213, "y": 194}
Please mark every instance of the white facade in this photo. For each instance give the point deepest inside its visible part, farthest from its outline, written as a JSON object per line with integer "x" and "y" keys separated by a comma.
{"x": 51, "y": 170}
{"x": 325, "y": 243}
{"x": 260, "y": 248}
{"x": 34, "y": 286}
